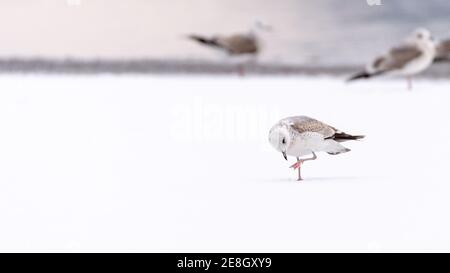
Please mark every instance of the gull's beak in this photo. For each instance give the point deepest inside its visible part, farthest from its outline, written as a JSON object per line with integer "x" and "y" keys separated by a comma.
{"x": 284, "y": 155}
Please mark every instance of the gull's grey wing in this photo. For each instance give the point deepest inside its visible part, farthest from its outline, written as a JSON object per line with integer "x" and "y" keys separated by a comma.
{"x": 303, "y": 124}
{"x": 239, "y": 44}
{"x": 397, "y": 58}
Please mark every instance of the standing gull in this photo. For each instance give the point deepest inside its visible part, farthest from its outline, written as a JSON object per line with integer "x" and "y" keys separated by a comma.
{"x": 443, "y": 51}
{"x": 412, "y": 57}
{"x": 235, "y": 44}
{"x": 301, "y": 135}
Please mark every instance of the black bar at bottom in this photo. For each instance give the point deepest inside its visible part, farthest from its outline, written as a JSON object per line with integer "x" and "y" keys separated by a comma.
{"x": 229, "y": 262}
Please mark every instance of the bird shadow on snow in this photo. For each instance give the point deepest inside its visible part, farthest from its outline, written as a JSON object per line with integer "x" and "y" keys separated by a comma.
{"x": 318, "y": 179}
{"x": 335, "y": 178}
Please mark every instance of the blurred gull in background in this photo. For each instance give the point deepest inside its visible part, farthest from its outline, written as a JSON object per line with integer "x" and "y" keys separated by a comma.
{"x": 412, "y": 57}
{"x": 236, "y": 44}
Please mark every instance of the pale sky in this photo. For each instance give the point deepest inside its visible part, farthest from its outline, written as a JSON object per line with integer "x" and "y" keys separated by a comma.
{"x": 131, "y": 28}
{"x": 303, "y": 29}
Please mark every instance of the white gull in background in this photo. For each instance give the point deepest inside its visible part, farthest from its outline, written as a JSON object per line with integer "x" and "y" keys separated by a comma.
{"x": 410, "y": 58}
{"x": 301, "y": 135}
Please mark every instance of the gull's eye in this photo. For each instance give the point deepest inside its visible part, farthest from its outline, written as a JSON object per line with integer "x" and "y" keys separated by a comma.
{"x": 283, "y": 141}
{"x": 420, "y": 36}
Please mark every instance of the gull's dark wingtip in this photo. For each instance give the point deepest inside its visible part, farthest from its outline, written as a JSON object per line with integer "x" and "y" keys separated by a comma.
{"x": 203, "y": 40}
{"x": 341, "y": 137}
{"x": 360, "y": 75}
{"x": 359, "y": 137}
{"x": 441, "y": 60}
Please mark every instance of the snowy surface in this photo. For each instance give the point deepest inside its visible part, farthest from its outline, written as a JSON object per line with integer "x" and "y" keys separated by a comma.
{"x": 141, "y": 163}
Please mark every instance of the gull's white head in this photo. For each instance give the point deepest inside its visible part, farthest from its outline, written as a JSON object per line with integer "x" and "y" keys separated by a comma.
{"x": 421, "y": 35}
{"x": 280, "y": 139}
{"x": 259, "y": 26}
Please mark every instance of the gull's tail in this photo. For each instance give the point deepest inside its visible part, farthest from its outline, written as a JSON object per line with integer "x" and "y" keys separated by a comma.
{"x": 333, "y": 147}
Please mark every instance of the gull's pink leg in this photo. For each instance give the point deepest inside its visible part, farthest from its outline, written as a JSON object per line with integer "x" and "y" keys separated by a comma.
{"x": 409, "y": 79}
{"x": 298, "y": 164}
{"x": 299, "y": 170}
{"x": 241, "y": 70}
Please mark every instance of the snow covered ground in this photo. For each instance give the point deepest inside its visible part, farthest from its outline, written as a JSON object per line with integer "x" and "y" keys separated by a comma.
{"x": 142, "y": 163}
